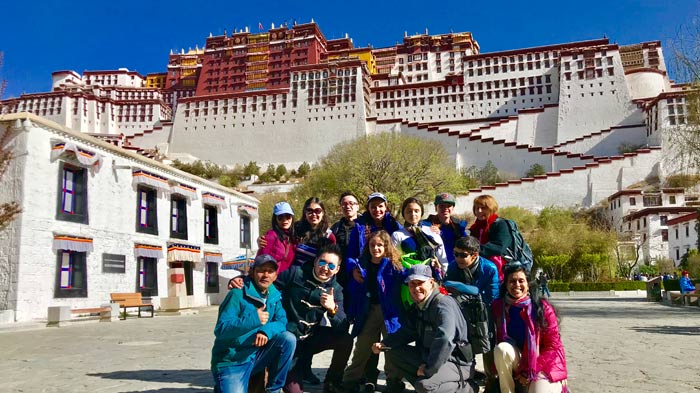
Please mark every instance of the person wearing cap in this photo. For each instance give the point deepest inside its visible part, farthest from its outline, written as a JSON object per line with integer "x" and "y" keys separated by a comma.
{"x": 279, "y": 240}
{"x": 313, "y": 301}
{"x": 443, "y": 222}
{"x": 441, "y": 361}
{"x": 685, "y": 283}
{"x": 251, "y": 333}
{"x": 376, "y": 217}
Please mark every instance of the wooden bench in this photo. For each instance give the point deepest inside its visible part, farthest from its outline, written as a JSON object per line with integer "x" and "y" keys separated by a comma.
{"x": 59, "y": 315}
{"x": 130, "y": 300}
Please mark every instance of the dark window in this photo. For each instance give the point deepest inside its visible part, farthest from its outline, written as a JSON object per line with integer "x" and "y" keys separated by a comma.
{"x": 211, "y": 225}
{"x": 664, "y": 235}
{"x": 672, "y": 199}
{"x": 663, "y": 220}
{"x": 146, "y": 210}
{"x": 676, "y": 235}
{"x": 633, "y": 201}
{"x": 245, "y": 231}
{"x": 148, "y": 276}
{"x": 687, "y": 231}
{"x": 212, "y": 278}
{"x": 71, "y": 277}
{"x": 178, "y": 217}
{"x": 72, "y": 194}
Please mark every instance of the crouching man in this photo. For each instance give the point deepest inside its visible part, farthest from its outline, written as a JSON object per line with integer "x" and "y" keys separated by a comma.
{"x": 251, "y": 333}
{"x": 441, "y": 361}
{"x": 313, "y": 300}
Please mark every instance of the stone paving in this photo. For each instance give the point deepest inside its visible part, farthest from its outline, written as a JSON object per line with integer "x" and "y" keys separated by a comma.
{"x": 612, "y": 345}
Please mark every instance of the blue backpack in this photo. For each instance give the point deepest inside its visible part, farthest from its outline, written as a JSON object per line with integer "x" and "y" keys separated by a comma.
{"x": 519, "y": 251}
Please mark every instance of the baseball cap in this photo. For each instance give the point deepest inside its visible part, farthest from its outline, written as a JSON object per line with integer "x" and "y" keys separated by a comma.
{"x": 376, "y": 195}
{"x": 263, "y": 259}
{"x": 419, "y": 272}
{"x": 282, "y": 208}
{"x": 684, "y": 272}
{"x": 445, "y": 197}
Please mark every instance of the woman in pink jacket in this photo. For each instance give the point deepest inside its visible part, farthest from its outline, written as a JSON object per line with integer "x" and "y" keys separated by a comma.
{"x": 529, "y": 348}
{"x": 279, "y": 240}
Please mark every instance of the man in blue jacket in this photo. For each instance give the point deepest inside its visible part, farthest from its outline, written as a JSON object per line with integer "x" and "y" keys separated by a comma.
{"x": 251, "y": 333}
{"x": 471, "y": 269}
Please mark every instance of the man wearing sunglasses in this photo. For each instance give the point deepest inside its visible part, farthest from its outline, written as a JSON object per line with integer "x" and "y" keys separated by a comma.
{"x": 471, "y": 269}
{"x": 313, "y": 300}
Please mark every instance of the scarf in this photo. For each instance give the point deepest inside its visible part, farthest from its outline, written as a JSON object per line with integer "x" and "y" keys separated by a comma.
{"x": 528, "y": 356}
{"x": 480, "y": 229}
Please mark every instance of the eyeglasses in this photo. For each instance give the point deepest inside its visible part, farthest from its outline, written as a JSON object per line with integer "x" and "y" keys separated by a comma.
{"x": 462, "y": 254}
{"x": 323, "y": 263}
{"x": 345, "y": 204}
{"x": 317, "y": 211}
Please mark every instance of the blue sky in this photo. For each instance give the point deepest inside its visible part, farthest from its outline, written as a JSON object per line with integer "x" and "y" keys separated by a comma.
{"x": 43, "y": 36}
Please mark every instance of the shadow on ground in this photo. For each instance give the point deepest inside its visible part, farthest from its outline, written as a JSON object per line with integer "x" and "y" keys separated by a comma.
{"x": 199, "y": 380}
{"x": 674, "y": 330}
{"x": 616, "y": 308}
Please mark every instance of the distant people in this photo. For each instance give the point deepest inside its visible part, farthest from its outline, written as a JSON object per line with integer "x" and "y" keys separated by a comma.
{"x": 349, "y": 207}
{"x": 543, "y": 281}
{"x": 417, "y": 238}
{"x": 685, "y": 283}
{"x": 311, "y": 295}
{"x": 312, "y": 232}
{"x": 450, "y": 230}
{"x": 529, "y": 348}
{"x": 441, "y": 360}
{"x": 251, "y": 333}
{"x": 493, "y": 234}
{"x": 375, "y": 309}
{"x": 279, "y": 241}
{"x": 472, "y": 269}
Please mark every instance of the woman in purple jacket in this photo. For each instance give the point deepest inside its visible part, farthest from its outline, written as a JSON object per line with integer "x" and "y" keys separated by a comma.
{"x": 529, "y": 346}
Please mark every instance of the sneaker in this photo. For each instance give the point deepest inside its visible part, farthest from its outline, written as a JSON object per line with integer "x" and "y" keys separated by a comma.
{"x": 370, "y": 387}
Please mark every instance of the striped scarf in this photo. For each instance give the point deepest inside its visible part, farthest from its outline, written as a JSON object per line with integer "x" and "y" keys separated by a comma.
{"x": 528, "y": 357}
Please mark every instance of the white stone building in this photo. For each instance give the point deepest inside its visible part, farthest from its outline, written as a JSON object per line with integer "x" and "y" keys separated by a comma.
{"x": 682, "y": 236}
{"x": 98, "y": 219}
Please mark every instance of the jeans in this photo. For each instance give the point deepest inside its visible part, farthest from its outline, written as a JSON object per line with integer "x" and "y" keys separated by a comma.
{"x": 276, "y": 355}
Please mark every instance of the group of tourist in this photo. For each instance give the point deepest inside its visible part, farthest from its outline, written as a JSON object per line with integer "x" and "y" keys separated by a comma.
{"x": 369, "y": 284}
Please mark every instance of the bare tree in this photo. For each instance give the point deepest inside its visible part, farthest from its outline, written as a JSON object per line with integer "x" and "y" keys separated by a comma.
{"x": 628, "y": 252}
{"x": 8, "y": 210}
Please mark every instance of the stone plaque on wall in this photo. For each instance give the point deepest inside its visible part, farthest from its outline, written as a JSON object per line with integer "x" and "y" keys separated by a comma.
{"x": 113, "y": 263}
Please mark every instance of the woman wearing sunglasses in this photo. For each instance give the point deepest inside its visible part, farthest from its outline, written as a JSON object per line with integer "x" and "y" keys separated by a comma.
{"x": 312, "y": 232}
{"x": 278, "y": 241}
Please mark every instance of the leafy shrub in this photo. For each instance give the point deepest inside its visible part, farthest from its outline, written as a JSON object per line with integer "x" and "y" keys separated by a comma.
{"x": 597, "y": 286}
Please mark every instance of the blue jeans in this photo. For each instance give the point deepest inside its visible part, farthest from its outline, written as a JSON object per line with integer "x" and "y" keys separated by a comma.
{"x": 276, "y": 355}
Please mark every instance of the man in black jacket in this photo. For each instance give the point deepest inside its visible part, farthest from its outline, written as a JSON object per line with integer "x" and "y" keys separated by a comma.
{"x": 313, "y": 301}
{"x": 441, "y": 360}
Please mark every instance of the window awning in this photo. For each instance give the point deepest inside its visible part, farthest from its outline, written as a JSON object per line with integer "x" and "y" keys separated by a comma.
{"x": 213, "y": 199}
{"x": 210, "y": 256}
{"x": 84, "y": 157}
{"x": 148, "y": 251}
{"x": 72, "y": 243}
{"x": 184, "y": 252}
{"x": 248, "y": 209}
{"x": 149, "y": 179}
{"x": 186, "y": 191}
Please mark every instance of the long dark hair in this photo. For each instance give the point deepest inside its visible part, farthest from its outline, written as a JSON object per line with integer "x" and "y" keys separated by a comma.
{"x": 303, "y": 228}
{"x": 537, "y": 308}
{"x": 281, "y": 234}
{"x": 407, "y": 202}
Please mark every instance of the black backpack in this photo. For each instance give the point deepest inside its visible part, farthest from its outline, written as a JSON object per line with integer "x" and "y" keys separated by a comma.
{"x": 519, "y": 251}
{"x": 475, "y": 312}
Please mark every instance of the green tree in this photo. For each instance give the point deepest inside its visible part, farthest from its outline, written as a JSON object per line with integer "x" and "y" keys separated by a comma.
{"x": 251, "y": 169}
{"x": 280, "y": 172}
{"x": 303, "y": 169}
{"x": 488, "y": 175}
{"x": 399, "y": 166}
{"x": 535, "y": 170}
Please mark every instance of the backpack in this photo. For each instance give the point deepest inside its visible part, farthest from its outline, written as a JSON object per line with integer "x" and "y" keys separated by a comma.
{"x": 475, "y": 312}
{"x": 519, "y": 251}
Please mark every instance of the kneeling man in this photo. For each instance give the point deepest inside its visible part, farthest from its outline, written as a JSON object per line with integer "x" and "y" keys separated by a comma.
{"x": 251, "y": 333}
{"x": 441, "y": 361}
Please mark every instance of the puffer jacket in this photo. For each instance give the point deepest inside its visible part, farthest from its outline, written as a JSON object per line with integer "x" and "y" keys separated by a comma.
{"x": 364, "y": 225}
{"x": 238, "y": 324}
{"x": 281, "y": 250}
{"x": 485, "y": 278}
{"x": 551, "y": 359}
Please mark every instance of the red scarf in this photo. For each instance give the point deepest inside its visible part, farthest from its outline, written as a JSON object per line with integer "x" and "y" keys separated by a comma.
{"x": 480, "y": 229}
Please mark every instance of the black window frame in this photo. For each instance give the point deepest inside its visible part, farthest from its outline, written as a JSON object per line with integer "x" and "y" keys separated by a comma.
{"x": 79, "y": 199}
{"x": 245, "y": 232}
{"x": 151, "y": 226}
{"x": 77, "y": 263}
{"x": 211, "y": 278}
{"x": 212, "y": 213}
{"x": 148, "y": 267}
{"x": 178, "y": 229}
